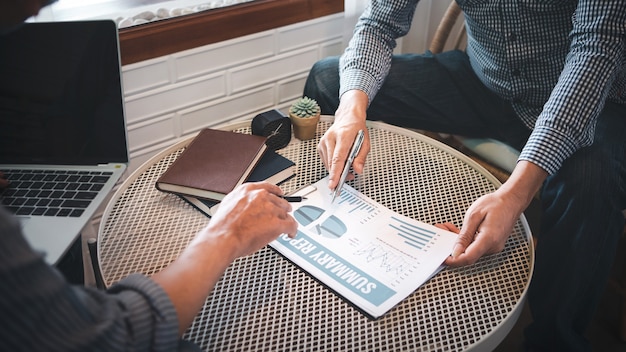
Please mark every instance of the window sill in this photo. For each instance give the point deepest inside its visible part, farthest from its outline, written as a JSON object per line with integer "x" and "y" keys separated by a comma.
{"x": 165, "y": 37}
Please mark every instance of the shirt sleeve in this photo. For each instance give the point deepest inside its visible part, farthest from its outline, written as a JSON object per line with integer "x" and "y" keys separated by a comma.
{"x": 366, "y": 61}
{"x": 594, "y": 62}
{"x": 39, "y": 310}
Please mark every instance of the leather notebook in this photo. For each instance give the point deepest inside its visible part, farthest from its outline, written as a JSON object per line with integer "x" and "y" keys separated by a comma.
{"x": 213, "y": 164}
{"x": 273, "y": 168}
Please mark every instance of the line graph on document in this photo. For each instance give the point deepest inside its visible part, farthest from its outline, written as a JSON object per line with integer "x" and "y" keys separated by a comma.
{"x": 385, "y": 261}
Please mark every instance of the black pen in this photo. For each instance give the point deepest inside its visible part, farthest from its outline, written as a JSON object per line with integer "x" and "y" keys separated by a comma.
{"x": 293, "y": 199}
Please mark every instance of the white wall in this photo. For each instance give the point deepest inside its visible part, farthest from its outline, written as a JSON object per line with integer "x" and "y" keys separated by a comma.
{"x": 172, "y": 97}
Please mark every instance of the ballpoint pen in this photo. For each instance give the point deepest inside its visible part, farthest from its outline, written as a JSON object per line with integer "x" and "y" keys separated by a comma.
{"x": 356, "y": 146}
{"x": 293, "y": 199}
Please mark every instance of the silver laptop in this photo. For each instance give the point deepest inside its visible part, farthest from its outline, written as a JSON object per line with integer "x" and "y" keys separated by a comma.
{"x": 63, "y": 142}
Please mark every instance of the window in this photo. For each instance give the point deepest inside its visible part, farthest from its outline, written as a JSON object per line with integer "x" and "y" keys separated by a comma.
{"x": 204, "y": 22}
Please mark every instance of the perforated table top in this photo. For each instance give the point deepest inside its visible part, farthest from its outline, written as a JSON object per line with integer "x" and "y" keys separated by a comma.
{"x": 265, "y": 303}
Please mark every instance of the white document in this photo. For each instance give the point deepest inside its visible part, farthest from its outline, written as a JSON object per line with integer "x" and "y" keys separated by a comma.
{"x": 371, "y": 256}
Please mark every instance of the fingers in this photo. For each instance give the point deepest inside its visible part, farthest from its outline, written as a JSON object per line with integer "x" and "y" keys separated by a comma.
{"x": 291, "y": 227}
{"x": 250, "y": 217}
{"x": 326, "y": 150}
{"x": 359, "y": 162}
{"x": 462, "y": 252}
{"x": 337, "y": 164}
{"x": 334, "y": 149}
{"x": 269, "y": 194}
{"x": 334, "y": 155}
{"x": 486, "y": 227}
{"x": 448, "y": 226}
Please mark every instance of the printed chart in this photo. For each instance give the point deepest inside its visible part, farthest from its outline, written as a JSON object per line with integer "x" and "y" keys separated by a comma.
{"x": 371, "y": 256}
{"x": 413, "y": 235}
{"x": 358, "y": 206}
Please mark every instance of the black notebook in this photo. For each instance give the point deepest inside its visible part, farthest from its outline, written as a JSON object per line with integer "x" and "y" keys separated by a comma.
{"x": 272, "y": 167}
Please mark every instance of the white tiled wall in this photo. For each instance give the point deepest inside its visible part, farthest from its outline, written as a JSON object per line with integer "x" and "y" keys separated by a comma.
{"x": 174, "y": 96}
{"x": 171, "y": 97}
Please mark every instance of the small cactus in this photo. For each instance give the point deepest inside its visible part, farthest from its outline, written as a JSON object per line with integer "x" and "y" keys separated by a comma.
{"x": 305, "y": 107}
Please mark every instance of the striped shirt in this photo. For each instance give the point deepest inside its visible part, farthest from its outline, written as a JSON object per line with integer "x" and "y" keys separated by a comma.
{"x": 40, "y": 311}
{"x": 557, "y": 61}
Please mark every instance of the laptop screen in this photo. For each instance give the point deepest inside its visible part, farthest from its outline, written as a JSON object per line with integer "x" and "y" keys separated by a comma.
{"x": 61, "y": 99}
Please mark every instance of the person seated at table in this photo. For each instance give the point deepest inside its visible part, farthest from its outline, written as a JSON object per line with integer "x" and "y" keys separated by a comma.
{"x": 40, "y": 310}
{"x": 547, "y": 77}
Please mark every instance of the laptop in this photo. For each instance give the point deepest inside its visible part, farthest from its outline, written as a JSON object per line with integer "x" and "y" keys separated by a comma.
{"x": 63, "y": 143}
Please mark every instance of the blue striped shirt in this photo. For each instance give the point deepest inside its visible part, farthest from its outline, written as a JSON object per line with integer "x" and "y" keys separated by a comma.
{"x": 40, "y": 311}
{"x": 557, "y": 61}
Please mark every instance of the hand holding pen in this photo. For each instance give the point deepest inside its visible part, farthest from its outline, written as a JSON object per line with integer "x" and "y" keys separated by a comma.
{"x": 356, "y": 147}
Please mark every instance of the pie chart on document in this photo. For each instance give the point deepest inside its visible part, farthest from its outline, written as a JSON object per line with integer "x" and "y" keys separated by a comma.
{"x": 332, "y": 227}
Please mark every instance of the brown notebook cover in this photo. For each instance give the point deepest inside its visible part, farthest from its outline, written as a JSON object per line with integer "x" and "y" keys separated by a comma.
{"x": 213, "y": 164}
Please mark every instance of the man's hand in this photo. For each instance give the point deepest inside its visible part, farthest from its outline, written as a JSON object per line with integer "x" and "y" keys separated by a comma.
{"x": 490, "y": 219}
{"x": 250, "y": 217}
{"x": 487, "y": 225}
{"x": 336, "y": 143}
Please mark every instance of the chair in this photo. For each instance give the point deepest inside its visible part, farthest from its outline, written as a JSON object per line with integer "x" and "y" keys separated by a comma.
{"x": 92, "y": 245}
{"x": 500, "y": 158}
{"x": 445, "y": 28}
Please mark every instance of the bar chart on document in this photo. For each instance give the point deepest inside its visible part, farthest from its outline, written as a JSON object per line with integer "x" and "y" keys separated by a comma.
{"x": 370, "y": 255}
{"x": 358, "y": 206}
{"x": 414, "y": 236}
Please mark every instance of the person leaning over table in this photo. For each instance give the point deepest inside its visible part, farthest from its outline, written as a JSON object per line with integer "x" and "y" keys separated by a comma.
{"x": 547, "y": 77}
{"x": 40, "y": 311}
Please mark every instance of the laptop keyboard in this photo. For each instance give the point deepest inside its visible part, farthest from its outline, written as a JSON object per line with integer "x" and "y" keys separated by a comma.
{"x": 51, "y": 192}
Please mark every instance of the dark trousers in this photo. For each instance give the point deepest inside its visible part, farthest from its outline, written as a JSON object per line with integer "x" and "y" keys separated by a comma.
{"x": 582, "y": 204}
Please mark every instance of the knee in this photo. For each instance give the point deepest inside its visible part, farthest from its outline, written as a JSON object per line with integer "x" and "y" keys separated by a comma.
{"x": 323, "y": 73}
{"x": 325, "y": 68}
{"x": 322, "y": 84}
{"x": 586, "y": 181}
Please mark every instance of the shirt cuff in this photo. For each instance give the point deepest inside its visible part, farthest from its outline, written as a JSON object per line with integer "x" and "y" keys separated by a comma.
{"x": 151, "y": 312}
{"x": 358, "y": 79}
{"x": 547, "y": 148}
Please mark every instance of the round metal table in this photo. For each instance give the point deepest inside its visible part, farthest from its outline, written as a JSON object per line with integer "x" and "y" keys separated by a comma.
{"x": 265, "y": 303}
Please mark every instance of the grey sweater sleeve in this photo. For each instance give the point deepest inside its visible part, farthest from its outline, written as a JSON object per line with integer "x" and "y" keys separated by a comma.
{"x": 39, "y": 310}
